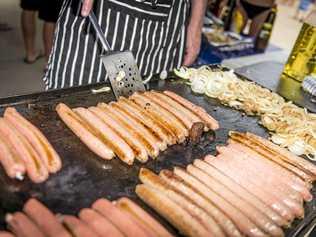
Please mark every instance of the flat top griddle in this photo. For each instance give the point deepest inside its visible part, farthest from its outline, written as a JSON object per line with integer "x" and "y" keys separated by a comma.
{"x": 85, "y": 177}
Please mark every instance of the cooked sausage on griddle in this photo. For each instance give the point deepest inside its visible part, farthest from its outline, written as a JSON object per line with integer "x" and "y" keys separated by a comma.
{"x": 99, "y": 223}
{"x": 207, "y": 223}
{"x": 11, "y": 162}
{"x": 22, "y": 226}
{"x": 86, "y": 134}
{"x": 39, "y": 142}
{"x": 131, "y": 207}
{"x": 44, "y": 219}
{"x": 35, "y": 167}
{"x": 240, "y": 191}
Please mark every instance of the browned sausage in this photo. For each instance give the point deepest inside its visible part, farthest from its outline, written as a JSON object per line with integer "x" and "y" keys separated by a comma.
{"x": 97, "y": 222}
{"x": 170, "y": 210}
{"x": 173, "y": 124}
{"x": 131, "y": 207}
{"x": 126, "y": 225}
{"x": 191, "y": 191}
{"x": 271, "y": 155}
{"x": 199, "y": 111}
{"x": 36, "y": 138}
{"x": 84, "y": 132}
{"x": 244, "y": 224}
{"x": 36, "y": 169}
{"x": 287, "y": 156}
{"x": 138, "y": 148}
{"x": 22, "y": 226}
{"x": 10, "y": 161}
{"x": 172, "y": 138}
{"x": 44, "y": 219}
{"x": 183, "y": 110}
{"x": 143, "y": 117}
{"x": 177, "y": 113}
{"x": 208, "y": 224}
{"x": 77, "y": 227}
{"x": 142, "y": 134}
{"x": 108, "y": 135}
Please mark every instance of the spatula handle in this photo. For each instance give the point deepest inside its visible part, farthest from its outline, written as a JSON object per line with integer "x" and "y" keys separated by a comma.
{"x": 99, "y": 32}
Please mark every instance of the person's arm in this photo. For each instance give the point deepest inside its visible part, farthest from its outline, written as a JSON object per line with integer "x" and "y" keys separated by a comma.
{"x": 86, "y": 7}
{"x": 194, "y": 31}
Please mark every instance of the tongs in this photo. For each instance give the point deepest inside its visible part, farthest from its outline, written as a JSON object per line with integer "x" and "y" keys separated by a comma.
{"x": 121, "y": 67}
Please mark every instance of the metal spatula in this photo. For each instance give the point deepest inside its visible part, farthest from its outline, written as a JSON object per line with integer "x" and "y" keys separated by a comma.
{"x": 121, "y": 67}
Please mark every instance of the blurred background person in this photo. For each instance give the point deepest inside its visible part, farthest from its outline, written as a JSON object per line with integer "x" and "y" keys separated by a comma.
{"x": 288, "y": 2}
{"x": 255, "y": 10}
{"x": 47, "y": 11}
{"x": 302, "y": 9}
{"x": 28, "y": 24}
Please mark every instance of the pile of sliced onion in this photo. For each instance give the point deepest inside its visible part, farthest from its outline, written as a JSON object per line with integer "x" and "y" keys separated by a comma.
{"x": 289, "y": 124}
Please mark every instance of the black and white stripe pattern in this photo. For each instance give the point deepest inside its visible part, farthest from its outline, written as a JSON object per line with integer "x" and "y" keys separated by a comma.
{"x": 155, "y": 35}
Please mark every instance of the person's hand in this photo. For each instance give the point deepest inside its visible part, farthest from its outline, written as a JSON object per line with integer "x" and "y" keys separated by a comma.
{"x": 193, "y": 45}
{"x": 86, "y": 7}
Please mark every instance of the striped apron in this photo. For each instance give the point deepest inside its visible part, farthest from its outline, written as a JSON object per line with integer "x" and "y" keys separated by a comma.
{"x": 154, "y": 31}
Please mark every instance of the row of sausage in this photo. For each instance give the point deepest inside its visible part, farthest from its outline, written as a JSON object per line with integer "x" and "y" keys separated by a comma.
{"x": 241, "y": 192}
{"x": 120, "y": 218}
{"x": 137, "y": 127}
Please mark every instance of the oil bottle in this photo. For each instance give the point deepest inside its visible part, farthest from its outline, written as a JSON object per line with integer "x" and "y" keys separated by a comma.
{"x": 302, "y": 60}
{"x": 263, "y": 37}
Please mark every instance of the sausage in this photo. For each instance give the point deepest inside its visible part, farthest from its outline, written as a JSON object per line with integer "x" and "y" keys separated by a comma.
{"x": 39, "y": 142}
{"x": 36, "y": 169}
{"x": 6, "y": 234}
{"x": 138, "y": 132}
{"x": 186, "y": 185}
{"x": 149, "y": 121}
{"x": 240, "y": 191}
{"x": 77, "y": 227}
{"x": 144, "y": 135}
{"x": 152, "y": 138}
{"x": 245, "y": 159}
{"x": 130, "y": 138}
{"x": 44, "y": 219}
{"x": 173, "y": 110}
{"x": 140, "y": 223}
{"x": 98, "y": 223}
{"x": 12, "y": 164}
{"x": 173, "y": 124}
{"x": 125, "y": 125}
{"x": 86, "y": 134}
{"x": 183, "y": 110}
{"x": 199, "y": 111}
{"x": 22, "y": 226}
{"x": 108, "y": 135}
{"x": 192, "y": 193}
{"x": 244, "y": 181}
{"x": 271, "y": 155}
{"x": 207, "y": 223}
{"x": 287, "y": 156}
{"x": 254, "y": 214}
{"x": 231, "y": 159}
{"x": 131, "y": 207}
{"x": 177, "y": 122}
{"x": 170, "y": 210}
{"x": 126, "y": 225}
{"x": 144, "y": 118}
{"x": 282, "y": 174}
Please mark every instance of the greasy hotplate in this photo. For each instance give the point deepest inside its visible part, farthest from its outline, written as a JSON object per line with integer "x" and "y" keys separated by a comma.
{"x": 84, "y": 176}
